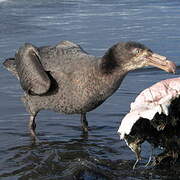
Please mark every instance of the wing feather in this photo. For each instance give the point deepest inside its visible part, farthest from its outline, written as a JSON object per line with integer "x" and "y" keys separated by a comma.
{"x": 33, "y": 78}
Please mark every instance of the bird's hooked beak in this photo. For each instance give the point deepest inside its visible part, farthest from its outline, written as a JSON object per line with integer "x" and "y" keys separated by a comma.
{"x": 161, "y": 62}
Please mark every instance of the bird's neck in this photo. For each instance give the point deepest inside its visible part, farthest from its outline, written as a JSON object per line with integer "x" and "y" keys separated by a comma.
{"x": 108, "y": 65}
{"x": 111, "y": 75}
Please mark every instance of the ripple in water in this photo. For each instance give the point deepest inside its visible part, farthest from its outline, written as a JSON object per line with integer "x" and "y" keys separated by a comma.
{"x": 63, "y": 152}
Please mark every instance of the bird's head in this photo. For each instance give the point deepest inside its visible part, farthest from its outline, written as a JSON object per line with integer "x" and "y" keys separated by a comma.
{"x": 132, "y": 55}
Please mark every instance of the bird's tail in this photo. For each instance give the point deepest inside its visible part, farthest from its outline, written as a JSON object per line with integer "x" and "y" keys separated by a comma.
{"x": 10, "y": 65}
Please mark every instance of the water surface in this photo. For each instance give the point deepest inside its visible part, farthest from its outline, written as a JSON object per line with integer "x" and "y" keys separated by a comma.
{"x": 63, "y": 151}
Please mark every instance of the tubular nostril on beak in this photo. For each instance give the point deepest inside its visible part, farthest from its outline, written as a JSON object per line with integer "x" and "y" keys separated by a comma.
{"x": 158, "y": 56}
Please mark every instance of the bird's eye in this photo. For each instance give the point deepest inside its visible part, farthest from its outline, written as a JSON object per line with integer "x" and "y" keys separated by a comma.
{"x": 136, "y": 51}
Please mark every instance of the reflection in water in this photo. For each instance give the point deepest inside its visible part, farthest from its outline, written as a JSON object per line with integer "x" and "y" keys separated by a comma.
{"x": 79, "y": 158}
{"x": 63, "y": 152}
{"x": 56, "y": 159}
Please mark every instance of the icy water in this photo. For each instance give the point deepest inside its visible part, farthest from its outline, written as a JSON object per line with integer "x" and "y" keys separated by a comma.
{"x": 63, "y": 151}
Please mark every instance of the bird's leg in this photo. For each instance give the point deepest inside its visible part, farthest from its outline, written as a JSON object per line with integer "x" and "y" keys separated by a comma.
{"x": 32, "y": 125}
{"x": 84, "y": 122}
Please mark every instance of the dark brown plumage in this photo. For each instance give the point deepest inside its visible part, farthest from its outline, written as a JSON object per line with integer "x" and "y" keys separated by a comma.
{"x": 66, "y": 79}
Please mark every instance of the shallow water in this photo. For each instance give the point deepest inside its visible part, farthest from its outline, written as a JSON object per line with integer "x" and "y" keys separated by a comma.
{"x": 63, "y": 151}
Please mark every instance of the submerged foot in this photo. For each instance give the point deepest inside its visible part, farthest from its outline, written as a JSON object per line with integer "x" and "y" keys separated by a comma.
{"x": 85, "y": 128}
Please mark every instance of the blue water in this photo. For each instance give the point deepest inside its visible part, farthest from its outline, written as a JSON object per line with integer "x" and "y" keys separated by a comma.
{"x": 63, "y": 152}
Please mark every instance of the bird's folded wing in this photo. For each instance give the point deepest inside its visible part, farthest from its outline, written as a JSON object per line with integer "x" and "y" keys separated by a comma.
{"x": 33, "y": 78}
